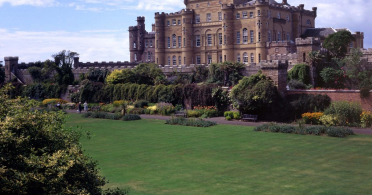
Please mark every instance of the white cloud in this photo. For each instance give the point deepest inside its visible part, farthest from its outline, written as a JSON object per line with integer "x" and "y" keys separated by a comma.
{"x": 98, "y": 45}
{"x": 30, "y": 2}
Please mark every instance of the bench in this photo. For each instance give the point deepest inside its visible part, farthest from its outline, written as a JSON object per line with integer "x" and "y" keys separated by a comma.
{"x": 180, "y": 114}
{"x": 249, "y": 117}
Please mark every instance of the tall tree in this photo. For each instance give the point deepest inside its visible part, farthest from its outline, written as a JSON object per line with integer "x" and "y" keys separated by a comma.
{"x": 65, "y": 61}
{"x": 2, "y": 72}
{"x": 337, "y": 44}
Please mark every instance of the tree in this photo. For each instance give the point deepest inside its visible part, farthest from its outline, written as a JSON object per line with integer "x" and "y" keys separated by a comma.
{"x": 226, "y": 73}
{"x": 120, "y": 77}
{"x": 39, "y": 156}
{"x": 97, "y": 75}
{"x": 337, "y": 44}
{"x": 357, "y": 70}
{"x": 64, "y": 60}
{"x": 147, "y": 73}
{"x": 300, "y": 72}
{"x": 2, "y": 72}
{"x": 256, "y": 94}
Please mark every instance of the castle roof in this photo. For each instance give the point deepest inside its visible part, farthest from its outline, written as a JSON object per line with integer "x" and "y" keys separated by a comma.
{"x": 318, "y": 32}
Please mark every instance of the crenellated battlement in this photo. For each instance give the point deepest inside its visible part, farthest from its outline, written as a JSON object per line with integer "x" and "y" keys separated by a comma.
{"x": 159, "y": 15}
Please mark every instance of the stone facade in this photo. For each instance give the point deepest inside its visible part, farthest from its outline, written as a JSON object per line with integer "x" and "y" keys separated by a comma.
{"x": 220, "y": 30}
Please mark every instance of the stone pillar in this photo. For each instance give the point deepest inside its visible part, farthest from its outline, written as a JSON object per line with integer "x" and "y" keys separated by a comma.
{"x": 228, "y": 32}
{"x": 187, "y": 36}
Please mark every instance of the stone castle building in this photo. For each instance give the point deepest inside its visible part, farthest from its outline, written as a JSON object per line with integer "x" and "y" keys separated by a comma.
{"x": 247, "y": 31}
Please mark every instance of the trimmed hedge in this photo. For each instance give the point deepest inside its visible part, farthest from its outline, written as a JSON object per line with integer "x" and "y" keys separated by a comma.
{"x": 104, "y": 115}
{"x": 189, "y": 122}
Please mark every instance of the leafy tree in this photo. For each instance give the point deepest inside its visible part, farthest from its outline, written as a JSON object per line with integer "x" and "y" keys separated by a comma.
{"x": 337, "y": 44}
{"x": 221, "y": 99}
{"x": 300, "y": 72}
{"x": 64, "y": 60}
{"x": 357, "y": 70}
{"x": 39, "y": 156}
{"x": 226, "y": 73}
{"x": 256, "y": 94}
{"x": 97, "y": 75}
{"x": 35, "y": 73}
{"x": 147, "y": 73}
{"x": 2, "y": 72}
{"x": 120, "y": 77}
{"x": 333, "y": 78}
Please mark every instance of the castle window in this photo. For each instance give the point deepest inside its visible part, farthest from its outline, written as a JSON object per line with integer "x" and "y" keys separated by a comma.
{"x": 251, "y": 14}
{"x": 197, "y": 5}
{"x": 219, "y": 16}
{"x": 135, "y": 57}
{"x": 252, "y": 36}
{"x": 168, "y": 23}
{"x": 179, "y": 22}
{"x": 245, "y": 58}
{"x": 197, "y": 38}
{"x": 279, "y": 37}
{"x": 209, "y": 59}
{"x": 148, "y": 56}
{"x": 146, "y": 44}
{"x": 224, "y": 58}
{"x": 157, "y": 44}
{"x": 140, "y": 44}
{"x": 220, "y": 38}
{"x": 197, "y": 18}
{"x": 269, "y": 13}
{"x": 179, "y": 60}
{"x": 269, "y": 36}
{"x": 179, "y": 41}
{"x": 134, "y": 45}
{"x": 174, "y": 60}
{"x": 259, "y": 57}
{"x": 287, "y": 17}
{"x": 174, "y": 41}
{"x": 288, "y": 37}
{"x": 304, "y": 57}
{"x": 183, "y": 20}
{"x": 198, "y": 60}
{"x": 278, "y": 15}
{"x": 259, "y": 37}
{"x": 157, "y": 60}
{"x": 150, "y": 43}
{"x": 224, "y": 39}
{"x": 209, "y": 39}
{"x": 224, "y": 16}
{"x": 252, "y": 58}
{"x": 244, "y": 14}
{"x": 184, "y": 42}
{"x": 237, "y": 15}
{"x": 308, "y": 22}
{"x": 209, "y": 4}
{"x": 245, "y": 36}
{"x": 173, "y": 22}
{"x": 351, "y": 45}
{"x": 168, "y": 60}
{"x": 168, "y": 42}
{"x": 184, "y": 60}
{"x": 238, "y": 57}
{"x": 238, "y": 37}
{"x": 209, "y": 17}
{"x": 259, "y": 12}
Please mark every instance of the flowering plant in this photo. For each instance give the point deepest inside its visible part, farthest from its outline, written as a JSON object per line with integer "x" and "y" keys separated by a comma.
{"x": 312, "y": 118}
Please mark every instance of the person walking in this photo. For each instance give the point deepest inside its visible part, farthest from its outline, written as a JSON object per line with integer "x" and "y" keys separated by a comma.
{"x": 79, "y": 107}
{"x": 85, "y": 106}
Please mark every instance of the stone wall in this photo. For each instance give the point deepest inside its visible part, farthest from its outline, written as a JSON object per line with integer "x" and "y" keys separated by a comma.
{"x": 339, "y": 95}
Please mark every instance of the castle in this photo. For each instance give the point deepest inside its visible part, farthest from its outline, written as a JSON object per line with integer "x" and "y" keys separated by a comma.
{"x": 247, "y": 31}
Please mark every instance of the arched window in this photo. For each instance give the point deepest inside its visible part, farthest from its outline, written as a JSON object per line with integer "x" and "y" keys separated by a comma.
{"x": 134, "y": 45}
{"x": 174, "y": 60}
{"x": 179, "y": 60}
{"x": 174, "y": 41}
{"x": 245, "y": 35}
{"x": 245, "y": 58}
{"x": 238, "y": 57}
{"x": 269, "y": 36}
{"x": 279, "y": 36}
{"x": 252, "y": 58}
{"x": 169, "y": 60}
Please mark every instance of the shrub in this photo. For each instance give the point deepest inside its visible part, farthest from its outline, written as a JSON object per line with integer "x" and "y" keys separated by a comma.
{"x": 137, "y": 111}
{"x": 302, "y": 103}
{"x": 295, "y": 84}
{"x": 263, "y": 127}
{"x": 166, "y": 109}
{"x": 113, "y": 116}
{"x": 207, "y": 111}
{"x": 228, "y": 113}
{"x": 193, "y": 113}
{"x": 141, "y": 104}
{"x": 366, "y": 119}
{"x": 312, "y": 118}
{"x": 300, "y": 72}
{"x": 236, "y": 115}
{"x": 189, "y": 122}
{"x": 228, "y": 118}
{"x": 131, "y": 117}
{"x": 53, "y": 101}
{"x": 339, "y": 132}
{"x": 329, "y": 120}
{"x": 101, "y": 115}
{"x": 347, "y": 112}
{"x": 315, "y": 130}
{"x": 118, "y": 103}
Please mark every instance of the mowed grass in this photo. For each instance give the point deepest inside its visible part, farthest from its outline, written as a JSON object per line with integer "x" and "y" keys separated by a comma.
{"x": 153, "y": 158}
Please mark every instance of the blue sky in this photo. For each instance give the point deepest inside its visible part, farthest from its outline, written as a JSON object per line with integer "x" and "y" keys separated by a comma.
{"x": 97, "y": 29}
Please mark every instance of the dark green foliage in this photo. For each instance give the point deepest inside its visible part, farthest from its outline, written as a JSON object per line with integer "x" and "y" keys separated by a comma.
{"x": 333, "y": 78}
{"x": 364, "y": 92}
{"x": 358, "y": 71}
{"x": 200, "y": 74}
{"x": 137, "y": 111}
{"x": 190, "y": 122}
{"x": 131, "y": 117}
{"x": 302, "y": 103}
{"x": 43, "y": 91}
{"x": 257, "y": 95}
{"x": 97, "y": 75}
{"x": 300, "y": 72}
{"x": 65, "y": 58}
{"x": 147, "y": 73}
{"x": 116, "y": 191}
{"x": 337, "y": 44}
{"x": 102, "y": 115}
{"x": 232, "y": 115}
{"x": 35, "y": 73}
{"x": 295, "y": 84}
{"x": 310, "y": 130}
{"x": 347, "y": 112}
{"x": 91, "y": 92}
{"x": 2, "y": 74}
{"x": 226, "y": 73}
{"x": 221, "y": 99}
{"x": 141, "y": 104}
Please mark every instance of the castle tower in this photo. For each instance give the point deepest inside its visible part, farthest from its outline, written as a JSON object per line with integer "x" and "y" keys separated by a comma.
{"x": 160, "y": 38}
{"x": 11, "y": 66}
{"x": 187, "y": 38}
{"x": 133, "y": 43}
{"x": 228, "y": 33}
{"x": 262, "y": 31}
{"x": 140, "y": 36}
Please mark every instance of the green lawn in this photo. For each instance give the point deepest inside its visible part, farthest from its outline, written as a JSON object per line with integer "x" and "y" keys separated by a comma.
{"x": 153, "y": 158}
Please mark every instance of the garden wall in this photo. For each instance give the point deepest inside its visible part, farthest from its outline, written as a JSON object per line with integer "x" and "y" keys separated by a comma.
{"x": 339, "y": 95}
